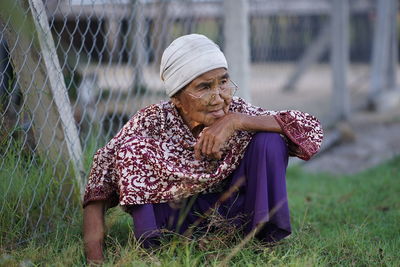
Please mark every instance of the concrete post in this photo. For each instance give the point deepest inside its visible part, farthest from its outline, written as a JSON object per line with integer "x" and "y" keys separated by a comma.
{"x": 46, "y": 95}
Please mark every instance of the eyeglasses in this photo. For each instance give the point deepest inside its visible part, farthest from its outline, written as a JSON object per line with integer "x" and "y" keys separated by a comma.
{"x": 226, "y": 89}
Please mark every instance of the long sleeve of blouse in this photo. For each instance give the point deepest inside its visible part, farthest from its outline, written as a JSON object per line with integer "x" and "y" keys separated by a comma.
{"x": 302, "y": 131}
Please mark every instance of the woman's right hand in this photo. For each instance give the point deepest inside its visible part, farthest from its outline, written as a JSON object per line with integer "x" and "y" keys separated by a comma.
{"x": 93, "y": 231}
{"x": 213, "y": 137}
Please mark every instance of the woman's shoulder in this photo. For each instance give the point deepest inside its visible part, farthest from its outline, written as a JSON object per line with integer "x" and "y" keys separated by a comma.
{"x": 237, "y": 104}
{"x": 153, "y": 117}
{"x": 154, "y": 111}
{"x": 242, "y": 106}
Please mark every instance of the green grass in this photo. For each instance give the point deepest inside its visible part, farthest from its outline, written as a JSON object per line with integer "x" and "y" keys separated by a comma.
{"x": 32, "y": 195}
{"x": 337, "y": 221}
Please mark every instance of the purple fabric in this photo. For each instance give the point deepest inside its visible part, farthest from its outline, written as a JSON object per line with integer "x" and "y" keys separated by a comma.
{"x": 261, "y": 198}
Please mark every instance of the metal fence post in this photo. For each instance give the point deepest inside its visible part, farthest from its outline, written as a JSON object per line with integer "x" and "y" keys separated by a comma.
{"x": 236, "y": 43}
{"x": 384, "y": 57}
{"x": 137, "y": 39}
{"x": 340, "y": 59}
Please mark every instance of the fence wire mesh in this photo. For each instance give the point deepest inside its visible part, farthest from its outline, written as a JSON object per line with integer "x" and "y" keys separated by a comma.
{"x": 98, "y": 61}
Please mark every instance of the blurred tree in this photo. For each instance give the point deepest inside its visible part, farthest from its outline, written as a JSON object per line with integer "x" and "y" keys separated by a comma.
{"x": 16, "y": 16}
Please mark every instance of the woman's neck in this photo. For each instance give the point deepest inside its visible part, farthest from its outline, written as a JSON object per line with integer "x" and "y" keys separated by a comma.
{"x": 193, "y": 126}
{"x": 197, "y": 130}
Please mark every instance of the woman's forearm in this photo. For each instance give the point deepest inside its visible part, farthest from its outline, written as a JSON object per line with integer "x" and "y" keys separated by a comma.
{"x": 265, "y": 123}
{"x": 93, "y": 231}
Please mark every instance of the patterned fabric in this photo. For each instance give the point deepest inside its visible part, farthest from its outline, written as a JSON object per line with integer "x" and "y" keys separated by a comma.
{"x": 151, "y": 159}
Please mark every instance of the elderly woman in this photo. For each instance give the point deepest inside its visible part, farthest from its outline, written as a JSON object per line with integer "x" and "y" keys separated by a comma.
{"x": 203, "y": 142}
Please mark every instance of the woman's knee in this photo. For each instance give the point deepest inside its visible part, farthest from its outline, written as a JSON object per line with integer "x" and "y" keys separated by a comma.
{"x": 269, "y": 138}
{"x": 270, "y": 143}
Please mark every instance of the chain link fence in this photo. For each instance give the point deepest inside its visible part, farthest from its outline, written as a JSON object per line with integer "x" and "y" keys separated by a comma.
{"x": 77, "y": 70}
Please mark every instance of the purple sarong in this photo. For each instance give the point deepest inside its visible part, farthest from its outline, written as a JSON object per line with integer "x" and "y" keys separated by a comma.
{"x": 260, "y": 199}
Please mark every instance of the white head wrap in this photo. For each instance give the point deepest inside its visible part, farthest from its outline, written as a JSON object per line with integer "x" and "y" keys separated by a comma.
{"x": 186, "y": 58}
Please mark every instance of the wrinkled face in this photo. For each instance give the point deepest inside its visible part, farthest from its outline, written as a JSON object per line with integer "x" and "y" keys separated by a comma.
{"x": 195, "y": 109}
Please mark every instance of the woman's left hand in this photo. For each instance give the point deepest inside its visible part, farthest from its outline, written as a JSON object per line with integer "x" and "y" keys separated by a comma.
{"x": 212, "y": 138}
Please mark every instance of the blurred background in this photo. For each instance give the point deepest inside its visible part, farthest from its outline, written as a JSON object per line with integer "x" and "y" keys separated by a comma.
{"x": 72, "y": 72}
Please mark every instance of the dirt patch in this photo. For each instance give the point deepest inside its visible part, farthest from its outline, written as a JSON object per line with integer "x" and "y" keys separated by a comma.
{"x": 366, "y": 141}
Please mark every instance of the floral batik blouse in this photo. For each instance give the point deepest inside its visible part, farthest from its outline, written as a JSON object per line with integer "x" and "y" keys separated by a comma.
{"x": 151, "y": 159}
